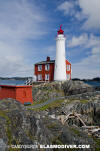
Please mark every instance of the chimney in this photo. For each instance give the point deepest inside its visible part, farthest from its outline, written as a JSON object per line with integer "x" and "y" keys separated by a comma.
{"x": 48, "y": 58}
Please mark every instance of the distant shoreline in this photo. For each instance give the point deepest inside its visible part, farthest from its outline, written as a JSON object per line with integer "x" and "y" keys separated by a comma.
{"x": 15, "y": 78}
{"x": 97, "y": 79}
{"x": 26, "y": 78}
{"x": 95, "y": 82}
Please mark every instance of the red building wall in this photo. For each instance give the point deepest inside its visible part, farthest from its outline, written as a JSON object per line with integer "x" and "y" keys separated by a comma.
{"x": 51, "y": 71}
{"x": 68, "y": 72}
{"x": 24, "y": 94}
{"x": 7, "y": 92}
{"x": 21, "y": 93}
{"x": 43, "y": 71}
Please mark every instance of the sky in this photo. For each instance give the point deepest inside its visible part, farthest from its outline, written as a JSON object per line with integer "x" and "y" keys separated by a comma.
{"x": 28, "y": 29}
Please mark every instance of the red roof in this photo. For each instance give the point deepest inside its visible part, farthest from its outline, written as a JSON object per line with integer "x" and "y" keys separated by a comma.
{"x": 68, "y": 62}
{"x": 60, "y": 31}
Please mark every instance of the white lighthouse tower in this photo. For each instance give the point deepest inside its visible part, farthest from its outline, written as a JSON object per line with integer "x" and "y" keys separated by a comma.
{"x": 60, "y": 61}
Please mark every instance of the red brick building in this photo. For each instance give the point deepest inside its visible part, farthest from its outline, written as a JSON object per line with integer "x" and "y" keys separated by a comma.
{"x": 21, "y": 93}
{"x": 44, "y": 70}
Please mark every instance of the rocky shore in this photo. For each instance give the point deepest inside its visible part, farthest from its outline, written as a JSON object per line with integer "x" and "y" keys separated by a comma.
{"x": 45, "y": 91}
{"x": 50, "y": 124}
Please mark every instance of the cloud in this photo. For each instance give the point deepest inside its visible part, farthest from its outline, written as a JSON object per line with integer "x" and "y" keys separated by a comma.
{"x": 82, "y": 71}
{"x": 84, "y": 40}
{"x": 78, "y": 41}
{"x": 85, "y": 45}
{"x": 14, "y": 66}
{"x": 66, "y": 7}
{"x": 86, "y": 10}
{"x": 96, "y": 51}
{"x": 93, "y": 41}
{"x": 20, "y": 21}
{"x": 89, "y": 66}
{"x": 91, "y": 9}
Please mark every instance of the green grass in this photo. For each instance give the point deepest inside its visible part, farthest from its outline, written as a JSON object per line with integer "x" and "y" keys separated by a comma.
{"x": 56, "y": 141}
{"x": 38, "y": 102}
{"x": 51, "y": 105}
{"x": 3, "y": 114}
{"x": 74, "y": 100}
{"x": 51, "y": 126}
{"x": 97, "y": 143}
{"x": 75, "y": 131}
{"x": 47, "y": 95}
{"x": 8, "y": 122}
{"x": 84, "y": 101}
{"x": 8, "y": 129}
{"x": 54, "y": 104}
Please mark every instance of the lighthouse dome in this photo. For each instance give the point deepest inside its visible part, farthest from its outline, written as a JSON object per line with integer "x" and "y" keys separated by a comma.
{"x": 60, "y": 31}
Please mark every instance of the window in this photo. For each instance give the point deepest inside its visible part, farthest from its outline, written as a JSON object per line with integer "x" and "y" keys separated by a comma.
{"x": 47, "y": 66}
{"x": 68, "y": 76}
{"x": 39, "y": 77}
{"x": 46, "y": 76}
{"x": 68, "y": 67}
{"x": 39, "y": 67}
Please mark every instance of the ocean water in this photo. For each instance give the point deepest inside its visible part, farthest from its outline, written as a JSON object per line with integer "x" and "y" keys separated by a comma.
{"x": 12, "y": 82}
{"x": 93, "y": 83}
{"x": 22, "y": 82}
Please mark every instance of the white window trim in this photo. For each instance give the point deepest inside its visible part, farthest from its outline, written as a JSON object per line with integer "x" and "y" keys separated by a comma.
{"x": 39, "y": 67}
{"x": 68, "y": 67}
{"x": 68, "y": 76}
{"x": 39, "y": 77}
{"x": 47, "y": 77}
{"x": 47, "y": 69}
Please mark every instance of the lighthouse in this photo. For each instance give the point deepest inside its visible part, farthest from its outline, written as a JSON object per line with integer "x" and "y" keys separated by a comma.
{"x": 60, "y": 61}
{"x": 54, "y": 70}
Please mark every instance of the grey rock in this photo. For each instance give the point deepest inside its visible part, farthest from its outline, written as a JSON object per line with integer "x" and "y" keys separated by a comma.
{"x": 3, "y": 146}
{"x": 45, "y": 91}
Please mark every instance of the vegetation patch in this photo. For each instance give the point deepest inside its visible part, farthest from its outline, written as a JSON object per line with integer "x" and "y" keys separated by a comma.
{"x": 84, "y": 101}
{"x": 77, "y": 132}
{"x": 52, "y": 125}
{"x": 52, "y": 105}
{"x": 57, "y": 141}
{"x": 71, "y": 100}
{"x": 38, "y": 102}
{"x": 97, "y": 144}
{"x": 8, "y": 130}
{"x": 3, "y": 114}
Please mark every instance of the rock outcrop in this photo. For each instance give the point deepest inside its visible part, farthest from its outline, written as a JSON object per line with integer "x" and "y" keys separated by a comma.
{"x": 20, "y": 125}
{"x": 26, "y": 127}
{"x": 45, "y": 91}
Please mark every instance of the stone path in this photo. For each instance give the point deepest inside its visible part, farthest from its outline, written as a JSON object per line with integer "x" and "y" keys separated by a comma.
{"x": 88, "y": 94}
